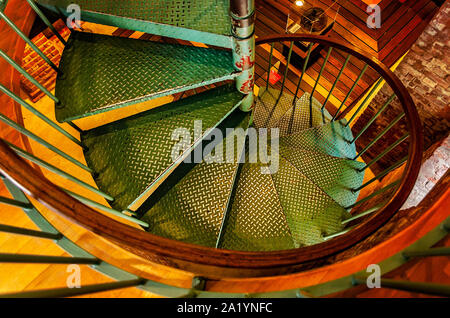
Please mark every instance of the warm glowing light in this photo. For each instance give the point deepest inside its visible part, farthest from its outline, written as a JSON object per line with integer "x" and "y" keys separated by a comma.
{"x": 299, "y": 3}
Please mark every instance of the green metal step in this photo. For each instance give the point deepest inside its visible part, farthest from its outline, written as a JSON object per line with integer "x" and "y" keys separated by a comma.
{"x": 101, "y": 73}
{"x": 192, "y": 211}
{"x": 331, "y": 139}
{"x": 273, "y": 110}
{"x": 205, "y": 21}
{"x": 256, "y": 221}
{"x": 130, "y": 156}
{"x": 310, "y": 212}
{"x": 335, "y": 176}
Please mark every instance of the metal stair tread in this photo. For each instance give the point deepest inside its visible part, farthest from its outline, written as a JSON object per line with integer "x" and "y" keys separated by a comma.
{"x": 256, "y": 221}
{"x": 105, "y": 72}
{"x": 129, "y": 154}
{"x": 311, "y": 213}
{"x": 198, "y": 20}
{"x": 335, "y": 176}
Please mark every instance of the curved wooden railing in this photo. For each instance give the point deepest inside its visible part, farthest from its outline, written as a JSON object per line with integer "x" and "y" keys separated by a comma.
{"x": 215, "y": 262}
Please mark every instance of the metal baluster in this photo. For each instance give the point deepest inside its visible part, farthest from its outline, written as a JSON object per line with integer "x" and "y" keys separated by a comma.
{"x": 48, "y": 166}
{"x": 104, "y": 208}
{"x": 270, "y": 65}
{"x": 365, "y": 101}
{"x": 416, "y": 287}
{"x": 27, "y": 232}
{"x": 70, "y": 292}
{"x": 303, "y": 72}
{"x": 71, "y": 124}
{"x": 44, "y": 259}
{"x": 15, "y": 203}
{"x": 435, "y": 251}
{"x": 389, "y": 186}
{"x": 28, "y": 41}
{"x": 46, "y": 21}
{"x": 328, "y": 237}
{"x": 28, "y": 76}
{"x": 367, "y": 212}
{"x": 336, "y": 81}
{"x": 29, "y": 134}
{"x": 34, "y": 111}
{"x": 374, "y": 117}
{"x": 387, "y": 150}
{"x": 351, "y": 91}
{"x": 286, "y": 70}
{"x": 396, "y": 120}
{"x": 382, "y": 174}
{"x": 315, "y": 86}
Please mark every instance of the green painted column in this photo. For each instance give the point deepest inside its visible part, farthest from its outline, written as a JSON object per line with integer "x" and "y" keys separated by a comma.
{"x": 243, "y": 30}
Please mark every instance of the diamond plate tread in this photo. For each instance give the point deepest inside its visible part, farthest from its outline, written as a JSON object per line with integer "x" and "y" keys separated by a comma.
{"x": 331, "y": 139}
{"x": 128, "y": 155}
{"x": 202, "y": 15}
{"x": 256, "y": 221}
{"x": 193, "y": 209}
{"x": 102, "y": 72}
{"x": 310, "y": 212}
{"x": 265, "y": 105}
{"x": 335, "y": 176}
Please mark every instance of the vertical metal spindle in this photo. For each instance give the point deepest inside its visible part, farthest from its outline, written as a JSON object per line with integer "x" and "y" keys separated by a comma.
{"x": 15, "y": 203}
{"x": 28, "y": 76}
{"x": 28, "y": 41}
{"x": 286, "y": 70}
{"x": 34, "y": 111}
{"x": 46, "y": 21}
{"x": 379, "y": 136}
{"x": 384, "y": 152}
{"x": 336, "y": 81}
{"x": 315, "y": 86}
{"x": 27, "y": 232}
{"x": 270, "y": 65}
{"x": 303, "y": 72}
{"x": 374, "y": 117}
{"x": 382, "y": 174}
{"x": 367, "y": 212}
{"x": 351, "y": 91}
{"x": 361, "y": 106}
{"x": 44, "y": 143}
{"x": 374, "y": 194}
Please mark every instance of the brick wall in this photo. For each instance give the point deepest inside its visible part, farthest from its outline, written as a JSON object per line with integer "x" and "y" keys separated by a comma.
{"x": 425, "y": 73}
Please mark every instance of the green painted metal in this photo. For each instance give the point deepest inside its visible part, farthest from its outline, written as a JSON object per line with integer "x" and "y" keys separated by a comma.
{"x": 193, "y": 210}
{"x": 40, "y": 259}
{"x": 305, "y": 64}
{"x": 388, "y": 102}
{"x": 378, "y": 137}
{"x": 415, "y": 287}
{"x": 130, "y": 154}
{"x": 71, "y": 292}
{"x": 205, "y": 21}
{"x": 38, "y": 139}
{"x": 271, "y": 111}
{"x": 104, "y": 208}
{"x": 351, "y": 91}
{"x": 106, "y": 72}
{"x": 360, "y": 215}
{"x": 37, "y": 113}
{"x": 435, "y": 251}
{"x": 3, "y": 4}
{"x": 383, "y": 173}
{"x": 48, "y": 166}
{"x": 14, "y": 203}
{"x": 385, "y": 151}
{"x": 366, "y": 99}
{"x": 373, "y": 194}
{"x": 286, "y": 71}
{"x": 334, "y": 176}
{"x": 337, "y": 80}
{"x": 28, "y": 76}
{"x": 27, "y": 232}
{"x": 330, "y": 49}
{"x": 256, "y": 221}
{"x": 269, "y": 68}
{"x": 45, "y": 20}
{"x": 28, "y": 41}
{"x": 331, "y": 139}
{"x": 310, "y": 213}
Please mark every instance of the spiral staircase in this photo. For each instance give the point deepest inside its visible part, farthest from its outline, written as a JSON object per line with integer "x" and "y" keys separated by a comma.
{"x": 274, "y": 209}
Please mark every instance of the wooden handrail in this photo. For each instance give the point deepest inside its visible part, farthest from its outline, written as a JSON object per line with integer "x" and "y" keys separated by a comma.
{"x": 167, "y": 251}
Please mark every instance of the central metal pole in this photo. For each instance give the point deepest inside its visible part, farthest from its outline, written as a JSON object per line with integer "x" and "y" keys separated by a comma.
{"x": 243, "y": 30}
